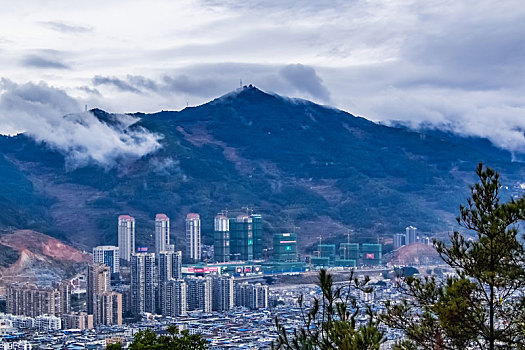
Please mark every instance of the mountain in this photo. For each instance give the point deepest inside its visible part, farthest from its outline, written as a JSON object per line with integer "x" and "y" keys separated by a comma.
{"x": 299, "y": 164}
{"x": 37, "y": 258}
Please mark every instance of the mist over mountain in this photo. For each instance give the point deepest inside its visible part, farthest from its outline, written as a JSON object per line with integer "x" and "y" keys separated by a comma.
{"x": 299, "y": 164}
{"x": 50, "y": 115}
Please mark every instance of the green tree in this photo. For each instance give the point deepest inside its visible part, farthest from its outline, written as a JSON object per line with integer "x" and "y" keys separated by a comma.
{"x": 483, "y": 306}
{"x": 114, "y": 346}
{"x": 147, "y": 339}
{"x": 330, "y": 323}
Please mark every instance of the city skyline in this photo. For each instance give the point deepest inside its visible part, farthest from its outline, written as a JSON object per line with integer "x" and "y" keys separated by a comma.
{"x": 280, "y": 173}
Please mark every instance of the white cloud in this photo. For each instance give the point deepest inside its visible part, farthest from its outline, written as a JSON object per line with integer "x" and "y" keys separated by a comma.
{"x": 455, "y": 64}
{"x": 49, "y": 115}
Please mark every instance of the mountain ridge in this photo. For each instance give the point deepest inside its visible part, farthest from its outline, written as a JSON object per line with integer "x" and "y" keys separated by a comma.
{"x": 301, "y": 164}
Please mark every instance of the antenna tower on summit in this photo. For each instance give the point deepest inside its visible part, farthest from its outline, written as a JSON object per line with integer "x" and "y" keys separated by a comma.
{"x": 240, "y": 83}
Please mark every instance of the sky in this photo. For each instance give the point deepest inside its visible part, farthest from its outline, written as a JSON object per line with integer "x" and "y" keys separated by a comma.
{"x": 454, "y": 65}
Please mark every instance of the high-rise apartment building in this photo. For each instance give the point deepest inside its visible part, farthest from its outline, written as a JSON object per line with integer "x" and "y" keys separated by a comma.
{"x": 102, "y": 303}
{"x": 411, "y": 235}
{"x": 221, "y": 235}
{"x": 399, "y": 240}
{"x": 175, "y": 303}
{"x": 199, "y": 294}
{"x": 193, "y": 237}
{"x": 162, "y": 233}
{"x": 30, "y": 300}
{"x": 108, "y": 309}
{"x": 170, "y": 265}
{"x": 169, "y": 268}
{"x": 252, "y": 296}
{"x": 98, "y": 282}
{"x": 241, "y": 238}
{"x": 126, "y": 237}
{"x": 64, "y": 289}
{"x": 223, "y": 293}
{"x": 143, "y": 283}
{"x": 109, "y": 256}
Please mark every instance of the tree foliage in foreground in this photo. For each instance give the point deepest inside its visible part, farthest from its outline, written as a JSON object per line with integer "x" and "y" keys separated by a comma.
{"x": 147, "y": 339}
{"x": 330, "y": 322}
{"x": 483, "y": 307}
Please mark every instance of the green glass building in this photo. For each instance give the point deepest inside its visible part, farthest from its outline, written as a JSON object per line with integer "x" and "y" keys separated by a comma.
{"x": 372, "y": 254}
{"x": 241, "y": 238}
{"x": 349, "y": 251}
{"x": 327, "y": 251}
{"x": 321, "y": 261}
{"x": 257, "y": 230}
{"x": 221, "y": 242}
{"x": 285, "y": 247}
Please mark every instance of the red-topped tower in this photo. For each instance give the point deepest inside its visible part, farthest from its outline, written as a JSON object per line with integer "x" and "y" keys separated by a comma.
{"x": 162, "y": 233}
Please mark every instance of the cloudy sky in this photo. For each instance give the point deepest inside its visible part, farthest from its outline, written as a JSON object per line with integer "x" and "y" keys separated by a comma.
{"x": 458, "y": 65}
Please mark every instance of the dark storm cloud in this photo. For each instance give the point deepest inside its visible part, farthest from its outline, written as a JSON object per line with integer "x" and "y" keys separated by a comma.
{"x": 43, "y": 62}
{"x": 65, "y": 27}
{"x": 305, "y": 79}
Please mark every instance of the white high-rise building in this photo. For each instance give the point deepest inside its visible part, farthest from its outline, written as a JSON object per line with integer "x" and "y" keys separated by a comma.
{"x": 169, "y": 264}
{"x": 199, "y": 294}
{"x": 411, "y": 235}
{"x": 175, "y": 302}
{"x": 252, "y": 296}
{"x": 223, "y": 293}
{"x": 399, "y": 240}
{"x": 107, "y": 255}
{"x": 162, "y": 233}
{"x": 98, "y": 282}
{"x": 193, "y": 237}
{"x": 126, "y": 236}
{"x": 142, "y": 283}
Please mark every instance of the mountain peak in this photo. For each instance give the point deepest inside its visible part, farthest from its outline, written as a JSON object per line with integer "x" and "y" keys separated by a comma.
{"x": 247, "y": 92}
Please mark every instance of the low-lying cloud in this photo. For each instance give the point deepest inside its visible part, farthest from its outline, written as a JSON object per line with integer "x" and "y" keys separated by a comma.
{"x": 120, "y": 84}
{"x": 50, "y": 115}
{"x": 204, "y": 81}
{"x": 66, "y": 27}
{"x": 305, "y": 79}
{"x": 43, "y": 62}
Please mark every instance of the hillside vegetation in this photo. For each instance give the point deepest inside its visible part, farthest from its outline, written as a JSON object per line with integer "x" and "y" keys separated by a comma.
{"x": 299, "y": 164}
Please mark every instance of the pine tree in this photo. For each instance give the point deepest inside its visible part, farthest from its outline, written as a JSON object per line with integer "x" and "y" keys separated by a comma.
{"x": 147, "y": 339}
{"x": 330, "y": 323}
{"x": 483, "y": 306}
